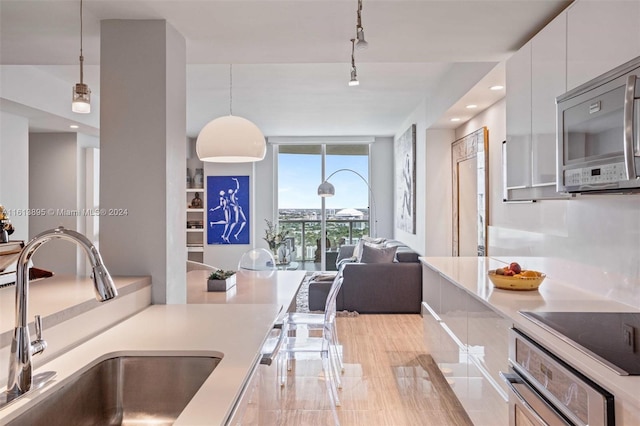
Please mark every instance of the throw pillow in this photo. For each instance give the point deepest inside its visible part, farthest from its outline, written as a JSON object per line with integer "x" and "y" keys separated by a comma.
{"x": 373, "y": 254}
{"x": 357, "y": 251}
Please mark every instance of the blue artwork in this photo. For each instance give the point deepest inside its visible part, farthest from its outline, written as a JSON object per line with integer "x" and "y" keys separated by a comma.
{"x": 228, "y": 209}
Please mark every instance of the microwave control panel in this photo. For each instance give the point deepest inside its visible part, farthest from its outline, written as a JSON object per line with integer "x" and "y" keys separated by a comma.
{"x": 610, "y": 173}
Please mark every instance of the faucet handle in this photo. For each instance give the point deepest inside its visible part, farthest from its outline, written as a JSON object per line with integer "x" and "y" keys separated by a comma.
{"x": 38, "y": 324}
{"x": 39, "y": 345}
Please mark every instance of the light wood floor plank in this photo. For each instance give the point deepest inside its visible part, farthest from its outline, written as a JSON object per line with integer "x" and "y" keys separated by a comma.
{"x": 389, "y": 379}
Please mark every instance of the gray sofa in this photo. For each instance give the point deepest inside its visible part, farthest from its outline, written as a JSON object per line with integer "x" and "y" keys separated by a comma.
{"x": 374, "y": 288}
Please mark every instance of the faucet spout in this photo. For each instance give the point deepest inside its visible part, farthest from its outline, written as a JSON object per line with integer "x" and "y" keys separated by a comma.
{"x": 22, "y": 349}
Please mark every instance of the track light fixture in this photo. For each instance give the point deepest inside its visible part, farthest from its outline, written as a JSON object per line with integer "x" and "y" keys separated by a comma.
{"x": 354, "y": 74}
{"x": 81, "y": 99}
{"x": 361, "y": 42}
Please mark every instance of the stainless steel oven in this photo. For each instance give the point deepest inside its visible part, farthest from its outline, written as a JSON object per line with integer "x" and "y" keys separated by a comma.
{"x": 544, "y": 390}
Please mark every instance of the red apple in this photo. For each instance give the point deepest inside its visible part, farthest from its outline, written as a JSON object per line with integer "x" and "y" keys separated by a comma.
{"x": 515, "y": 267}
{"x": 509, "y": 273}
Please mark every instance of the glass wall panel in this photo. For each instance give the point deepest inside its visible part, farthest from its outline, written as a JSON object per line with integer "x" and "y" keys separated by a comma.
{"x": 300, "y": 208}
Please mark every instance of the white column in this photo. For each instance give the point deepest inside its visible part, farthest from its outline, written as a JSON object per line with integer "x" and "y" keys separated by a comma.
{"x": 142, "y": 158}
{"x": 14, "y": 170}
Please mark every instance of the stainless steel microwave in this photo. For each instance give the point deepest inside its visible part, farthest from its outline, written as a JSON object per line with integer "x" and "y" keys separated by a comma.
{"x": 598, "y": 133}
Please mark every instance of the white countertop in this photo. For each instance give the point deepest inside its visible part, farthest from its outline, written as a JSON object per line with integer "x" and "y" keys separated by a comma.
{"x": 470, "y": 274}
{"x": 279, "y": 287}
{"x": 235, "y": 332}
{"x": 231, "y": 324}
{"x": 58, "y": 298}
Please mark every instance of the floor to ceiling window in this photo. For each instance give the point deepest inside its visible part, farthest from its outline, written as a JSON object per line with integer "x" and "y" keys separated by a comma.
{"x": 347, "y": 214}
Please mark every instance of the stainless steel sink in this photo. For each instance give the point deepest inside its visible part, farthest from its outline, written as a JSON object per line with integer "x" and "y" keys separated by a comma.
{"x": 125, "y": 390}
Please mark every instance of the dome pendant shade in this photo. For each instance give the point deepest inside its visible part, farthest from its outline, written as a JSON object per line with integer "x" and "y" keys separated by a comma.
{"x": 326, "y": 189}
{"x": 231, "y": 139}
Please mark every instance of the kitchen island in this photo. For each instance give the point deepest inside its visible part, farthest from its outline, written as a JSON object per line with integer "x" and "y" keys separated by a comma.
{"x": 234, "y": 332}
{"x": 480, "y": 315}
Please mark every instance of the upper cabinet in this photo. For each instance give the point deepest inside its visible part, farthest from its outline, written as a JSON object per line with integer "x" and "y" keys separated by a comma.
{"x": 600, "y": 36}
{"x": 518, "y": 101}
{"x": 586, "y": 40}
{"x": 548, "y": 71}
{"x": 535, "y": 76}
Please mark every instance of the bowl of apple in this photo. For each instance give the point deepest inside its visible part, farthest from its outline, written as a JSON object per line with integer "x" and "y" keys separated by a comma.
{"x": 513, "y": 277}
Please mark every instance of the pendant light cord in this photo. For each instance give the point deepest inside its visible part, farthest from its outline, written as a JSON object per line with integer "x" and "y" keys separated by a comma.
{"x": 230, "y": 89}
{"x": 353, "y": 61}
{"x": 81, "y": 56}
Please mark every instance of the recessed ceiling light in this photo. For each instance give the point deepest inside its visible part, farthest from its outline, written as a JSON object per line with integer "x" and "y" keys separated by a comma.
{"x": 74, "y": 126}
{"x": 455, "y": 119}
{"x": 498, "y": 87}
{"x": 472, "y": 106}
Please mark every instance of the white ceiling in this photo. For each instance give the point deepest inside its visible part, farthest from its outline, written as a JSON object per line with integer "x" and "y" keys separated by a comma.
{"x": 291, "y": 59}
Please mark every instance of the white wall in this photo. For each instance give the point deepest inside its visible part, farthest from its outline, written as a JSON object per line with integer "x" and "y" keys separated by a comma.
{"x": 595, "y": 236}
{"x": 382, "y": 184}
{"x": 53, "y": 184}
{"x": 416, "y": 241}
{"x": 14, "y": 170}
{"x": 438, "y": 206}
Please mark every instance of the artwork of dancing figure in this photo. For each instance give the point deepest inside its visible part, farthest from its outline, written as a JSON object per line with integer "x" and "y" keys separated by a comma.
{"x": 237, "y": 215}
{"x": 223, "y": 215}
{"x": 228, "y": 207}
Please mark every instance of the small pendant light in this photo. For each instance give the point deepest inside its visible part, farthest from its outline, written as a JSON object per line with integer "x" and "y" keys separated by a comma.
{"x": 81, "y": 101}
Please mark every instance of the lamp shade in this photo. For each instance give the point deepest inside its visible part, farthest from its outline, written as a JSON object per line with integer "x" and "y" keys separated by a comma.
{"x": 230, "y": 139}
{"x": 326, "y": 189}
{"x": 81, "y": 99}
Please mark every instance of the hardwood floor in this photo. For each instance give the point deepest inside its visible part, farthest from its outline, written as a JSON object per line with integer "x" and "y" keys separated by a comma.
{"x": 389, "y": 379}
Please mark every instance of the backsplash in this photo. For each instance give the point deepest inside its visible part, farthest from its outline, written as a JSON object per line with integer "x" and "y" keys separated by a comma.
{"x": 595, "y": 240}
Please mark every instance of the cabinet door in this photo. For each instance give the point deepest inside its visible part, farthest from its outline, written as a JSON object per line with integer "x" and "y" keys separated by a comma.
{"x": 600, "y": 36}
{"x": 548, "y": 81}
{"x": 518, "y": 101}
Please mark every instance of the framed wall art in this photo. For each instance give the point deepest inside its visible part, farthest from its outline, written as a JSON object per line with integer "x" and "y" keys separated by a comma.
{"x": 228, "y": 210}
{"x": 405, "y": 180}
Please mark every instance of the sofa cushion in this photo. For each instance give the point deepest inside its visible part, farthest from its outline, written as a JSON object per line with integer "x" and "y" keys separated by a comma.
{"x": 403, "y": 253}
{"x": 374, "y": 254}
{"x": 357, "y": 251}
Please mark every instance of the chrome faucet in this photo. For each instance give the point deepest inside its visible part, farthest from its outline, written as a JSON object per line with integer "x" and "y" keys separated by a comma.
{"x": 22, "y": 349}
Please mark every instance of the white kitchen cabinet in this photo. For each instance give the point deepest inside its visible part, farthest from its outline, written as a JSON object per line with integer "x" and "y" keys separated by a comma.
{"x": 535, "y": 76}
{"x": 548, "y": 81}
{"x": 600, "y": 36}
{"x": 469, "y": 343}
{"x": 518, "y": 104}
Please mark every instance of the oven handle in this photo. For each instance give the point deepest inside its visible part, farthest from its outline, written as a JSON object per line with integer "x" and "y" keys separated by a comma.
{"x": 511, "y": 380}
{"x": 629, "y": 150}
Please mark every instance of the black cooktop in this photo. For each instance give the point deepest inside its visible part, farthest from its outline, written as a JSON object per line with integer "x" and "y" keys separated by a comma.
{"x": 611, "y": 337}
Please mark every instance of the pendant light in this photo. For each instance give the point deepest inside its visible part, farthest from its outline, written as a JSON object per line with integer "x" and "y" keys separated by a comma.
{"x": 230, "y": 139}
{"x": 361, "y": 42}
{"x": 354, "y": 74}
{"x": 81, "y": 100}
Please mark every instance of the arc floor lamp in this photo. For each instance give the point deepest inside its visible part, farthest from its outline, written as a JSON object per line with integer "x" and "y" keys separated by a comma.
{"x": 326, "y": 189}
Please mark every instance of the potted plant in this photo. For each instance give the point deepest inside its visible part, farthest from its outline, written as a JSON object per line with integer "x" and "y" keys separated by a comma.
{"x": 221, "y": 280}
{"x": 275, "y": 238}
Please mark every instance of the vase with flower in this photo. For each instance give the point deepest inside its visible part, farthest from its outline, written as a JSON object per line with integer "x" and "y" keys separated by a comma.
{"x": 6, "y": 228}
{"x": 275, "y": 239}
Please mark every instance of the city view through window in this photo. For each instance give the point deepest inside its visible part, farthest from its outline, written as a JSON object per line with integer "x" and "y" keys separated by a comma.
{"x": 300, "y": 207}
